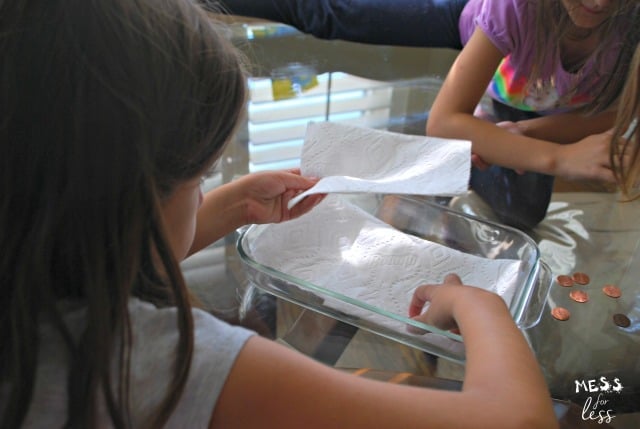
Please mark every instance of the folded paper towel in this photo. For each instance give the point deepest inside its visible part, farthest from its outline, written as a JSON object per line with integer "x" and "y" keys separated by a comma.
{"x": 351, "y": 159}
{"x": 341, "y": 248}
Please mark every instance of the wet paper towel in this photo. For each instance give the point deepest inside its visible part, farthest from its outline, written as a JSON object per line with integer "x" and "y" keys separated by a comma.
{"x": 340, "y": 247}
{"x": 351, "y": 159}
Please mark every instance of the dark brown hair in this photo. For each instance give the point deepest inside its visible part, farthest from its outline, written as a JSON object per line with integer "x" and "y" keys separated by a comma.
{"x": 552, "y": 20}
{"x": 105, "y": 106}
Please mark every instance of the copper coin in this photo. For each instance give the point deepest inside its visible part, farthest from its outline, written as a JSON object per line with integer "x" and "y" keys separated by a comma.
{"x": 579, "y": 296}
{"x": 612, "y": 291}
{"x": 564, "y": 280}
{"x": 621, "y": 320}
{"x": 560, "y": 313}
{"x": 581, "y": 278}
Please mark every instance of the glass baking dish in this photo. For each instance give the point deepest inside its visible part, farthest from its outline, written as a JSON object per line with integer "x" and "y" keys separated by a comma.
{"x": 419, "y": 217}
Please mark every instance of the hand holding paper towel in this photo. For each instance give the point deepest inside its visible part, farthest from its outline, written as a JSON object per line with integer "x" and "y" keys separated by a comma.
{"x": 351, "y": 159}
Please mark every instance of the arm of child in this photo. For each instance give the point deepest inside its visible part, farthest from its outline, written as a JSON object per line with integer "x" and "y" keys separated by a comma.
{"x": 253, "y": 198}
{"x": 452, "y": 117}
{"x": 567, "y": 127}
{"x": 271, "y": 386}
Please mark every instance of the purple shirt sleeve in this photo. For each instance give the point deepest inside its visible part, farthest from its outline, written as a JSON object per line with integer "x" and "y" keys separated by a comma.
{"x": 509, "y": 24}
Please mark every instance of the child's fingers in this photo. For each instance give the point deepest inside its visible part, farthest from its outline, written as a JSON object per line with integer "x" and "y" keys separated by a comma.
{"x": 478, "y": 162}
{"x": 305, "y": 205}
{"x": 293, "y": 171}
{"x": 424, "y": 294}
{"x": 421, "y": 295}
{"x": 452, "y": 279}
{"x": 295, "y": 181}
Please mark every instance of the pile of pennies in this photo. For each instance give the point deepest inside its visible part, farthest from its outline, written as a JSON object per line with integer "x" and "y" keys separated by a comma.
{"x": 581, "y": 296}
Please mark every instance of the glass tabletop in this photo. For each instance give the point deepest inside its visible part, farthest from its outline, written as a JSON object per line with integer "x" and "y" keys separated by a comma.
{"x": 591, "y": 359}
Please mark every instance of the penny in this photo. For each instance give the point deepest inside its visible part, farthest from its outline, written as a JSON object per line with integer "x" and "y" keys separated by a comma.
{"x": 581, "y": 278}
{"x": 621, "y": 320}
{"x": 579, "y": 296}
{"x": 612, "y": 291}
{"x": 564, "y": 280}
{"x": 560, "y": 313}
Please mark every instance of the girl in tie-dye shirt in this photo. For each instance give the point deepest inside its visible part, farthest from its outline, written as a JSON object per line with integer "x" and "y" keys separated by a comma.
{"x": 551, "y": 71}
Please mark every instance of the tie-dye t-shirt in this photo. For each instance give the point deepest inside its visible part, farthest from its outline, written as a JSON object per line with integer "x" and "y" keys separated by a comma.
{"x": 510, "y": 25}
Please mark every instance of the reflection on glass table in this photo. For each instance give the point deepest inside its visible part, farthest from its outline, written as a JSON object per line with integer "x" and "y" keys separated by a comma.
{"x": 296, "y": 78}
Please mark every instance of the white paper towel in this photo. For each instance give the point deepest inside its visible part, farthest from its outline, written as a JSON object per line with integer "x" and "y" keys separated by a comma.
{"x": 355, "y": 159}
{"x": 340, "y": 247}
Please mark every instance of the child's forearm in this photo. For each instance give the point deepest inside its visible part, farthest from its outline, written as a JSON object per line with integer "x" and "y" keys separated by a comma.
{"x": 496, "y": 145}
{"x": 499, "y": 360}
{"x": 222, "y": 211}
{"x": 567, "y": 127}
{"x": 586, "y": 159}
{"x": 493, "y": 341}
{"x": 503, "y": 385}
{"x": 502, "y": 374}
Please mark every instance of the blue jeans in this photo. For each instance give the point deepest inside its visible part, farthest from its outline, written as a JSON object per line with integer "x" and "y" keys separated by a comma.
{"x": 519, "y": 200}
{"x": 425, "y": 23}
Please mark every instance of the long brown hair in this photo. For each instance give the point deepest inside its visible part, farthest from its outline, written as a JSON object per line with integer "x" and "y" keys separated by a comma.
{"x": 626, "y": 137}
{"x": 553, "y": 23}
{"x": 105, "y": 106}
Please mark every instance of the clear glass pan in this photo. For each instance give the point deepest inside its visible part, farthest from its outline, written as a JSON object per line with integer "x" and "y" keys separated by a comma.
{"x": 420, "y": 217}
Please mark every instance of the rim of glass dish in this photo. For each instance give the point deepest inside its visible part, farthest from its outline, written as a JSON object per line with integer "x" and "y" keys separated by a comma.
{"x": 517, "y": 306}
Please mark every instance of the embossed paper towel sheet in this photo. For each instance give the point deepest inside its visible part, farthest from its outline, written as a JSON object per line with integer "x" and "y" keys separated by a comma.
{"x": 355, "y": 159}
{"x": 340, "y": 247}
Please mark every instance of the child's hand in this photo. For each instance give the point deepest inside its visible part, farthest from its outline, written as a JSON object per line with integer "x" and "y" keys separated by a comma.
{"x": 478, "y": 162}
{"x": 268, "y": 193}
{"x": 443, "y": 299}
{"x": 510, "y": 126}
{"x": 586, "y": 159}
